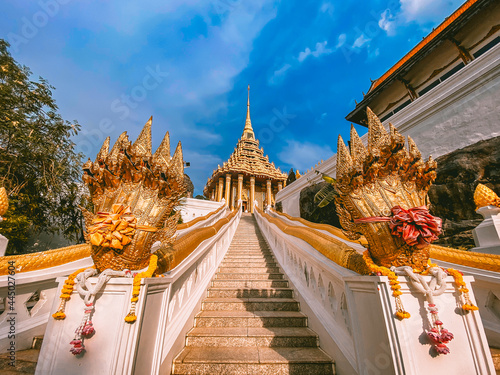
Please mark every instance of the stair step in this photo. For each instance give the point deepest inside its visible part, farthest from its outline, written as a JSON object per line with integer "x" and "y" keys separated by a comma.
{"x": 249, "y": 269}
{"x": 217, "y": 283}
{"x": 250, "y": 293}
{"x": 237, "y": 263}
{"x": 251, "y": 336}
{"x": 253, "y": 360}
{"x": 25, "y": 362}
{"x": 250, "y": 323}
{"x": 248, "y": 258}
{"x": 244, "y": 276}
{"x": 249, "y": 253}
{"x": 250, "y": 319}
{"x": 250, "y": 304}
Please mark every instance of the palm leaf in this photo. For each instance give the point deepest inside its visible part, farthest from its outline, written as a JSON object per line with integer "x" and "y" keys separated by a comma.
{"x": 325, "y": 196}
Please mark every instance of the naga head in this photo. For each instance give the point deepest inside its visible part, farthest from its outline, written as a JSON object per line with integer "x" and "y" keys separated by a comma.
{"x": 382, "y": 194}
{"x": 134, "y": 193}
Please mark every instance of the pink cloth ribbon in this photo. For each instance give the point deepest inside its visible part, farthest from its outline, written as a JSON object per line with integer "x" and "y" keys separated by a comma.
{"x": 416, "y": 226}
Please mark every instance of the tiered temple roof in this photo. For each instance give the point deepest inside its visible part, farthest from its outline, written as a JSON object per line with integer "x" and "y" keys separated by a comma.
{"x": 247, "y": 159}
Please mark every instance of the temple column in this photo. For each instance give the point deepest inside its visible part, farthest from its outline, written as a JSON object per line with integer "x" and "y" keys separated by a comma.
{"x": 233, "y": 194}
{"x": 228, "y": 189}
{"x": 252, "y": 193}
{"x": 221, "y": 186}
{"x": 240, "y": 187}
{"x": 280, "y": 186}
{"x": 268, "y": 192}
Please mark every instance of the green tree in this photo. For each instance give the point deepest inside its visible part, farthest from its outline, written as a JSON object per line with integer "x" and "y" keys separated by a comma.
{"x": 38, "y": 163}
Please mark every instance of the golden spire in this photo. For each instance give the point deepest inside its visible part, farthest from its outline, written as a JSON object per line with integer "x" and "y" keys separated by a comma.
{"x": 142, "y": 145}
{"x": 248, "y": 123}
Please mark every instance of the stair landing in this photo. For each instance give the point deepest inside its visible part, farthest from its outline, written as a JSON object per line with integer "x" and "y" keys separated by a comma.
{"x": 250, "y": 322}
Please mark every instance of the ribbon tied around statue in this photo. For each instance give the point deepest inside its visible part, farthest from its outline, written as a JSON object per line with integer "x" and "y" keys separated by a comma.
{"x": 416, "y": 226}
{"x": 115, "y": 229}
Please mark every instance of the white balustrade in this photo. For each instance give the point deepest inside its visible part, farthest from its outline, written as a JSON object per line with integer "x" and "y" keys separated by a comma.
{"x": 35, "y": 290}
{"x": 165, "y": 312}
{"x": 354, "y": 315}
{"x": 487, "y": 233}
{"x": 203, "y": 223}
{"x": 319, "y": 286}
{"x": 31, "y": 303}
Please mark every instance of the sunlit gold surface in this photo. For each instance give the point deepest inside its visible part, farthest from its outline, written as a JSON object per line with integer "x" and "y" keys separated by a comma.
{"x": 170, "y": 256}
{"x": 333, "y": 249}
{"x": 489, "y": 262}
{"x": 199, "y": 218}
{"x": 4, "y": 201}
{"x": 115, "y": 229}
{"x": 44, "y": 259}
{"x": 329, "y": 228}
{"x": 484, "y": 196}
{"x": 371, "y": 181}
{"x": 149, "y": 185}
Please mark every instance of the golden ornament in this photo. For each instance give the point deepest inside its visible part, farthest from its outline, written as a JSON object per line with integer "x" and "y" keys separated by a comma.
{"x": 373, "y": 180}
{"x": 4, "y": 201}
{"x": 484, "y": 196}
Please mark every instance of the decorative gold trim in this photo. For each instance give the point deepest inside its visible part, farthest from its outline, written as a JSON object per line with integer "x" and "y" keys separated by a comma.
{"x": 44, "y": 259}
{"x": 333, "y": 249}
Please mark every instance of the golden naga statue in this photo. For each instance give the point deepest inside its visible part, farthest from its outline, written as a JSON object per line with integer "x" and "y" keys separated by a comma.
{"x": 134, "y": 194}
{"x": 382, "y": 195}
{"x": 484, "y": 196}
{"x": 4, "y": 201}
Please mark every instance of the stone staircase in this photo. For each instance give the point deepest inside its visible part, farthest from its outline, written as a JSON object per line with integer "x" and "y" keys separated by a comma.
{"x": 250, "y": 323}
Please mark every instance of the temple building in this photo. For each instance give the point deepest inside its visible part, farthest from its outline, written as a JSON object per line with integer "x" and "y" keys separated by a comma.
{"x": 444, "y": 93}
{"x": 247, "y": 175}
{"x": 447, "y": 82}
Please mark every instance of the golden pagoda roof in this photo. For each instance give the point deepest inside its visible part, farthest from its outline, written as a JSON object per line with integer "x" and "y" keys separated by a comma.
{"x": 247, "y": 158}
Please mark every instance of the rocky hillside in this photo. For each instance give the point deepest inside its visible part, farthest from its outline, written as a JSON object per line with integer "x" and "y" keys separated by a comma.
{"x": 451, "y": 195}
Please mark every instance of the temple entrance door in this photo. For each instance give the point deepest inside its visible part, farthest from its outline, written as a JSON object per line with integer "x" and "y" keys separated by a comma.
{"x": 244, "y": 206}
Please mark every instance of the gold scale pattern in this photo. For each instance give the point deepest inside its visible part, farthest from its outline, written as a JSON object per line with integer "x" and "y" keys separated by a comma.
{"x": 371, "y": 181}
{"x": 150, "y": 185}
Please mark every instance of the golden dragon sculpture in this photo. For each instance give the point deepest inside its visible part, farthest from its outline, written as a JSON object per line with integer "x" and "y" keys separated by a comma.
{"x": 382, "y": 195}
{"x": 134, "y": 193}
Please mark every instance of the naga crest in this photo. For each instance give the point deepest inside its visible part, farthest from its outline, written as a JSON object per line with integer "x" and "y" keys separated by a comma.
{"x": 381, "y": 184}
{"x": 134, "y": 193}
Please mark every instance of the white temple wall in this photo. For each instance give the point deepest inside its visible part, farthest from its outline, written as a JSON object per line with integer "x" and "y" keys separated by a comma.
{"x": 192, "y": 208}
{"x": 457, "y": 113}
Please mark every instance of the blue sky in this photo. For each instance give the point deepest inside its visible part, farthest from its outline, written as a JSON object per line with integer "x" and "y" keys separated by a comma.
{"x": 188, "y": 62}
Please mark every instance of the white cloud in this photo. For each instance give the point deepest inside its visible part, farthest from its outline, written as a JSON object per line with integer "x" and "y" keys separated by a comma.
{"x": 279, "y": 74}
{"x": 361, "y": 41}
{"x": 419, "y": 11}
{"x": 303, "y": 155}
{"x": 341, "y": 41}
{"x": 327, "y": 8}
{"x": 386, "y": 22}
{"x": 320, "y": 50}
